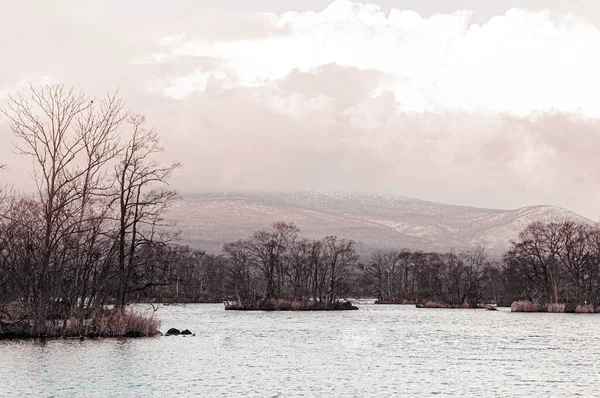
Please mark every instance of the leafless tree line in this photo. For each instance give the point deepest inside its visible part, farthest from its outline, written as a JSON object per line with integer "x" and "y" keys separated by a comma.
{"x": 196, "y": 277}
{"x": 92, "y": 232}
{"x": 456, "y": 279}
{"x": 549, "y": 263}
{"x": 277, "y": 263}
{"x": 555, "y": 263}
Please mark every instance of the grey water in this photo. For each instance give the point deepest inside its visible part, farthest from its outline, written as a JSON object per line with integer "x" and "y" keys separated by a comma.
{"x": 377, "y": 351}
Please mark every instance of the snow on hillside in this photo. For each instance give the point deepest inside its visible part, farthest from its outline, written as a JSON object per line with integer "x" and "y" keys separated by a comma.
{"x": 374, "y": 221}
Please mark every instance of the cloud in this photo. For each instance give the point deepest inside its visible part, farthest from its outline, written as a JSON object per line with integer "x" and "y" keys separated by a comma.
{"x": 497, "y": 114}
{"x": 516, "y": 63}
{"x": 351, "y": 97}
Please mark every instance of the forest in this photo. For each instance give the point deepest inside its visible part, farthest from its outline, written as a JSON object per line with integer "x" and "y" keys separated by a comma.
{"x": 553, "y": 266}
{"x": 93, "y": 239}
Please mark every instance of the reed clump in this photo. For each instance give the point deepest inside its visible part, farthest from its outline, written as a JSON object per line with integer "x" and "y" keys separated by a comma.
{"x": 585, "y": 309}
{"x": 555, "y": 307}
{"x": 434, "y": 304}
{"x": 111, "y": 323}
{"x": 524, "y": 306}
{"x": 129, "y": 325}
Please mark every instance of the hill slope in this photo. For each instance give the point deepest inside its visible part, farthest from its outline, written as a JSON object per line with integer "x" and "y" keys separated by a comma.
{"x": 208, "y": 221}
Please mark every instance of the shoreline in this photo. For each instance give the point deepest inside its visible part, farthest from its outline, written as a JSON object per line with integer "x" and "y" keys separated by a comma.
{"x": 287, "y": 305}
{"x": 112, "y": 325}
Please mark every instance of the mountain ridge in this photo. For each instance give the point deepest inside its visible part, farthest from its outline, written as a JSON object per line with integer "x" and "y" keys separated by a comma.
{"x": 374, "y": 221}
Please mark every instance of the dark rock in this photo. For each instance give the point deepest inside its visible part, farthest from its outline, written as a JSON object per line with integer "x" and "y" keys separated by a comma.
{"x": 420, "y": 306}
{"x": 132, "y": 333}
{"x": 346, "y": 305}
{"x": 186, "y": 332}
{"x": 570, "y": 308}
{"x": 492, "y": 309}
{"x": 173, "y": 332}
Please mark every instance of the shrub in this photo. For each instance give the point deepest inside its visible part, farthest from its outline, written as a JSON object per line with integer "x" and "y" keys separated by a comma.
{"x": 117, "y": 324}
{"x": 524, "y": 306}
{"x": 434, "y": 304}
{"x": 110, "y": 324}
{"x": 555, "y": 307}
{"x": 585, "y": 309}
{"x": 283, "y": 305}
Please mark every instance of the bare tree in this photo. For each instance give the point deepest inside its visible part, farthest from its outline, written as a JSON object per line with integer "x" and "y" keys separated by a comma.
{"x": 69, "y": 139}
{"x": 142, "y": 195}
{"x": 240, "y": 265}
{"x": 268, "y": 248}
{"x": 98, "y": 209}
{"x": 340, "y": 256}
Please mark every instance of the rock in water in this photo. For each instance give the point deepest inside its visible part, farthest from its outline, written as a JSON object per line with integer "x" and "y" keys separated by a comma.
{"x": 173, "y": 332}
{"x": 347, "y": 305}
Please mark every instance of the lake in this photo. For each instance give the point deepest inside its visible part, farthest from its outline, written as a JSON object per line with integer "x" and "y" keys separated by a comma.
{"x": 379, "y": 350}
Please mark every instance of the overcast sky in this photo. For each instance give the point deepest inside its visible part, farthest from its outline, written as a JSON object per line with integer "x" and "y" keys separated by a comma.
{"x": 466, "y": 102}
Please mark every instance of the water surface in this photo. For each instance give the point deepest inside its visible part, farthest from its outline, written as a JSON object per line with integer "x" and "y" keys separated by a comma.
{"x": 376, "y": 351}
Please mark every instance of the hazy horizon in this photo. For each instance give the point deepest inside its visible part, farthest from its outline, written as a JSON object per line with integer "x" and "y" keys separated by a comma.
{"x": 185, "y": 195}
{"x": 459, "y": 102}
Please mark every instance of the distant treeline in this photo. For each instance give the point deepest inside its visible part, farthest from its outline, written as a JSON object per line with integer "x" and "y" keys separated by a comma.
{"x": 279, "y": 264}
{"x": 272, "y": 266}
{"x": 550, "y": 263}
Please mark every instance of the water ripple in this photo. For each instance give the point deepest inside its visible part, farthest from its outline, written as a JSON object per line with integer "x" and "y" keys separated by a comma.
{"x": 377, "y": 351}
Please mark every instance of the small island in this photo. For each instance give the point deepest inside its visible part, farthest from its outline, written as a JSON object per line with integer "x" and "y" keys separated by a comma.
{"x": 456, "y": 279}
{"x": 278, "y": 270}
{"x": 287, "y": 305}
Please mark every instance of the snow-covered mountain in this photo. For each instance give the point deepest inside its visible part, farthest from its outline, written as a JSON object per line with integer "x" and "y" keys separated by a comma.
{"x": 374, "y": 221}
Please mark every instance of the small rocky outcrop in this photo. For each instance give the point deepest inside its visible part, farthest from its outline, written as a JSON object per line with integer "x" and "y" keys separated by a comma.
{"x": 492, "y": 309}
{"x": 173, "y": 332}
{"x": 347, "y": 305}
{"x": 186, "y": 332}
{"x": 419, "y": 306}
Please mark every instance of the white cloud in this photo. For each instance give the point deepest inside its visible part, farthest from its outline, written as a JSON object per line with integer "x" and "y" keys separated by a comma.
{"x": 516, "y": 63}
{"x": 499, "y": 114}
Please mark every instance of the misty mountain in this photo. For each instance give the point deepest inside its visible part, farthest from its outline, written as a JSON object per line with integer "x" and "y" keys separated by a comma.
{"x": 374, "y": 221}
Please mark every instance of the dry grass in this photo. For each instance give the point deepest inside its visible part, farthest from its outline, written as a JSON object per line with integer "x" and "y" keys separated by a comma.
{"x": 110, "y": 324}
{"x": 434, "y": 304}
{"x": 117, "y": 324}
{"x": 585, "y": 309}
{"x": 556, "y": 308}
{"x": 524, "y": 306}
